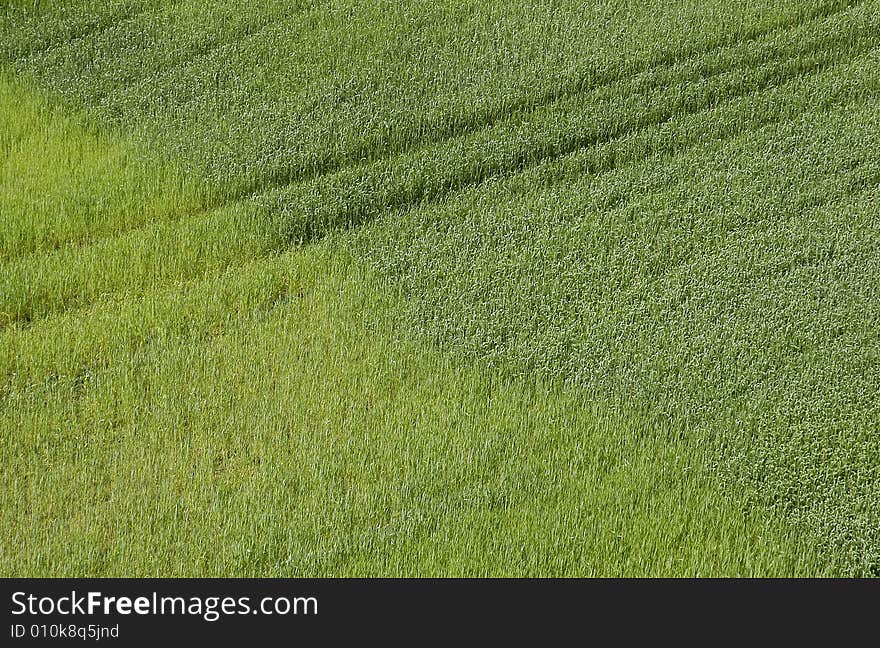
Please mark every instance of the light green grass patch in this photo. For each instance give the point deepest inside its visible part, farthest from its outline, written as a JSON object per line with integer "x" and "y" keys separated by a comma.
{"x": 307, "y": 435}
{"x": 272, "y": 416}
{"x": 63, "y": 183}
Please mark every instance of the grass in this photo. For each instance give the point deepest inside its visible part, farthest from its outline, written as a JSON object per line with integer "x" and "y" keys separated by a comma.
{"x": 718, "y": 300}
{"x": 282, "y": 389}
{"x": 55, "y": 167}
{"x": 276, "y": 413}
{"x": 495, "y": 289}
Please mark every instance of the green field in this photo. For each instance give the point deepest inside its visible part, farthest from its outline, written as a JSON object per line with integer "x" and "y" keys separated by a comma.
{"x": 451, "y": 288}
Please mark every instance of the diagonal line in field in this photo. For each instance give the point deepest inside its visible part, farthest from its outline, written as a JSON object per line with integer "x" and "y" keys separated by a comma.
{"x": 206, "y": 48}
{"x": 35, "y": 325}
{"x": 527, "y": 158}
{"x": 311, "y": 231}
{"x": 451, "y": 183}
{"x": 668, "y": 157}
{"x": 576, "y": 87}
{"x": 93, "y": 29}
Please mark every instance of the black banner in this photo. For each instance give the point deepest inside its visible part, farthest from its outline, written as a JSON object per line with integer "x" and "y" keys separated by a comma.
{"x": 130, "y": 612}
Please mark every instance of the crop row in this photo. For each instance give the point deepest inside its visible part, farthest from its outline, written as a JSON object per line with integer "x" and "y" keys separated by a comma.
{"x": 617, "y": 132}
{"x": 276, "y": 95}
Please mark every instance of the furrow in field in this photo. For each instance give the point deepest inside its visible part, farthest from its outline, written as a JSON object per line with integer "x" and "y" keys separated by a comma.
{"x": 124, "y": 60}
{"x": 739, "y": 300}
{"x": 716, "y": 126}
{"x": 352, "y": 198}
{"x": 439, "y": 127}
{"x": 75, "y": 301}
{"x": 693, "y": 246}
{"x": 823, "y": 29}
{"x": 160, "y": 252}
{"x": 743, "y": 45}
{"x": 752, "y": 196}
{"x": 191, "y": 52}
{"x": 127, "y": 13}
{"x": 672, "y": 161}
{"x": 163, "y": 253}
{"x": 756, "y": 46}
{"x": 826, "y": 38}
